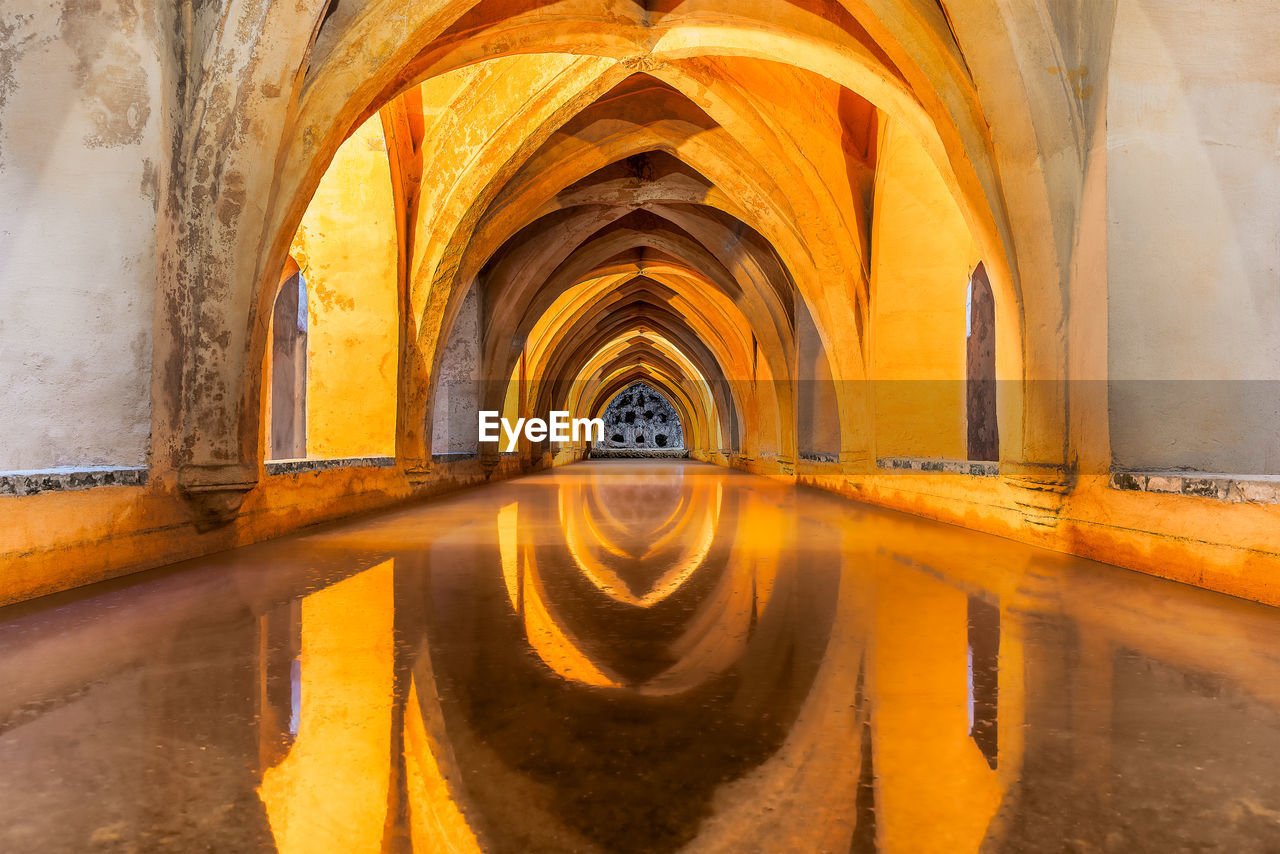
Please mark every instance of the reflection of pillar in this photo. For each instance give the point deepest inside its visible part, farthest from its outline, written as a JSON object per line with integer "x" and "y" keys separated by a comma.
{"x": 330, "y": 792}
{"x": 1092, "y": 707}
{"x": 864, "y": 828}
{"x": 170, "y": 714}
{"x": 984, "y": 676}
{"x": 937, "y": 790}
{"x": 279, "y": 681}
{"x": 1065, "y": 781}
{"x": 409, "y": 594}
{"x": 427, "y": 807}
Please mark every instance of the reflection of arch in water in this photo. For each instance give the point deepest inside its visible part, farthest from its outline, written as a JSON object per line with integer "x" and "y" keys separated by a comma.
{"x": 733, "y": 595}
{"x": 684, "y": 541}
{"x": 543, "y": 703}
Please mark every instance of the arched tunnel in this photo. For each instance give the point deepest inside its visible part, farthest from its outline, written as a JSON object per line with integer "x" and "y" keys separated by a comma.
{"x": 639, "y": 426}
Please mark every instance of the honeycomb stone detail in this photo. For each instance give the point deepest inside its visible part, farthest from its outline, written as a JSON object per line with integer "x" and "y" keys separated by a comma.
{"x": 641, "y": 419}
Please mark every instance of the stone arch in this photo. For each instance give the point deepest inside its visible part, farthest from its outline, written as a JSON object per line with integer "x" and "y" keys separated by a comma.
{"x": 922, "y": 55}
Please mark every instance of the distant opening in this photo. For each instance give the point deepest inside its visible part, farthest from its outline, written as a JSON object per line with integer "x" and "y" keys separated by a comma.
{"x": 631, "y": 423}
{"x": 980, "y": 385}
{"x": 287, "y": 438}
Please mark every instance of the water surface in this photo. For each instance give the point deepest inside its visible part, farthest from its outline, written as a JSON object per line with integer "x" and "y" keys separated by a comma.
{"x": 640, "y": 657}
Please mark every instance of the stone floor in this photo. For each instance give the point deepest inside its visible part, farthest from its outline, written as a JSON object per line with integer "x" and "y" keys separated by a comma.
{"x": 640, "y": 656}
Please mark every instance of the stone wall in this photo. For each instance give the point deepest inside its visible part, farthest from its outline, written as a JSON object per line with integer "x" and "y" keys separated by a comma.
{"x": 82, "y": 159}
{"x": 1193, "y": 233}
{"x": 455, "y": 429}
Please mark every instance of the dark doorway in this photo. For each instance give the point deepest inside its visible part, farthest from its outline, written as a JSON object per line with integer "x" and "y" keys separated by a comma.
{"x": 287, "y": 439}
{"x": 980, "y": 385}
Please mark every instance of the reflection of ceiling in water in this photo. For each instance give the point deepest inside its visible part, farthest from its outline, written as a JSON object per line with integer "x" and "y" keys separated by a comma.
{"x": 637, "y": 545}
{"x": 723, "y": 642}
{"x": 826, "y": 679}
{"x": 619, "y": 563}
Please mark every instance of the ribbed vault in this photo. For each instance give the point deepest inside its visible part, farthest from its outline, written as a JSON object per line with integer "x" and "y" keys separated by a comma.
{"x": 684, "y": 193}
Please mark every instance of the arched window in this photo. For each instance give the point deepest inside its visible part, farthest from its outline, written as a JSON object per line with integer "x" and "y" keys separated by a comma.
{"x": 287, "y": 439}
{"x": 641, "y": 419}
{"x": 980, "y": 374}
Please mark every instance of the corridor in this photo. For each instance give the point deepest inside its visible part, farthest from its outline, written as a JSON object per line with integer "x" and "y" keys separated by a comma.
{"x": 639, "y": 656}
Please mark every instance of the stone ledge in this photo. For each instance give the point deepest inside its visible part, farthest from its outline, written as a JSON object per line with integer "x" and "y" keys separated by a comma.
{"x": 923, "y": 464}
{"x": 454, "y": 456}
{"x": 68, "y": 479}
{"x": 302, "y": 466}
{"x": 1232, "y": 488}
{"x": 638, "y": 453}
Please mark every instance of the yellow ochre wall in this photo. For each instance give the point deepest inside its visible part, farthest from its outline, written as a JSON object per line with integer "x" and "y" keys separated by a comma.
{"x": 346, "y": 247}
{"x": 922, "y": 256}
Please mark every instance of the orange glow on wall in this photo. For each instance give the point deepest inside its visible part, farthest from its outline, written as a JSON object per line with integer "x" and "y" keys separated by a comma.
{"x": 346, "y": 247}
{"x": 330, "y": 791}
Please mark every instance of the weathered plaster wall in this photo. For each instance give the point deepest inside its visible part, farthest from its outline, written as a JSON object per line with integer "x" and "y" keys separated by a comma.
{"x": 922, "y": 254}
{"x": 455, "y": 428}
{"x": 1193, "y": 212}
{"x": 81, "y": 157}
{"x": 346, "y": 247}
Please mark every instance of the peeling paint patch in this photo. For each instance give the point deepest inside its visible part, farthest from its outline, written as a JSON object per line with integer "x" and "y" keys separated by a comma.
{"x": 150, "y": 188}
{"x": 332, "y": 298}
{"x": 233, "y": 199}
{"x": 109, "y": 72}
{"x": 120, "y": 107}
{"x": 13, "y": 44}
